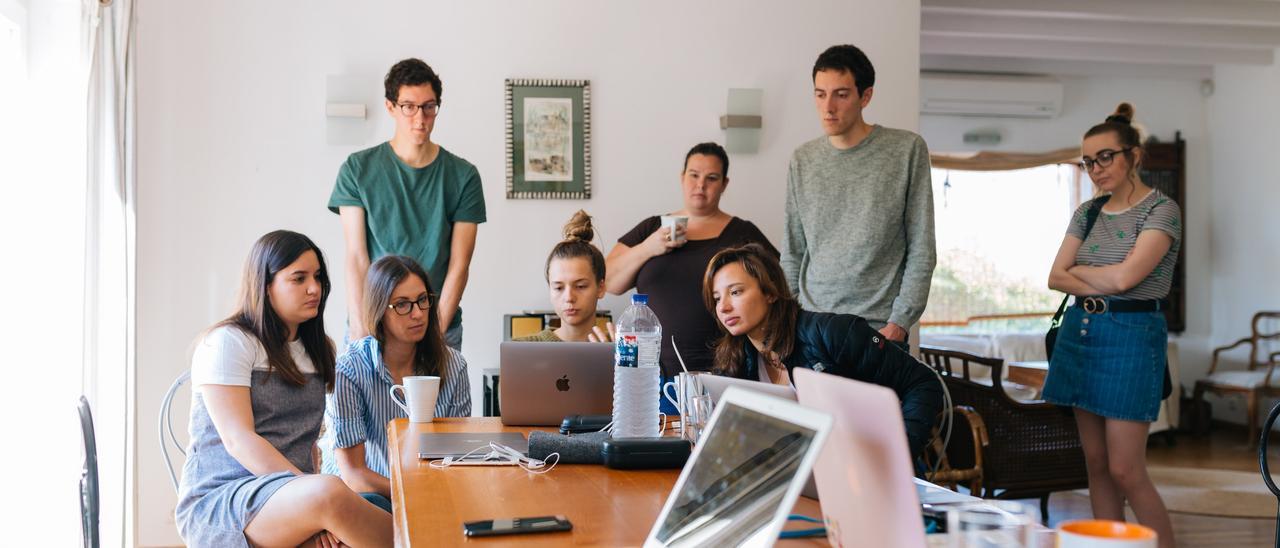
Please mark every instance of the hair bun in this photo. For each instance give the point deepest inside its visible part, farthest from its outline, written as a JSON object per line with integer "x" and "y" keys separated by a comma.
{"x": 579, "y": 227}
{"x": 1122, "y": 115}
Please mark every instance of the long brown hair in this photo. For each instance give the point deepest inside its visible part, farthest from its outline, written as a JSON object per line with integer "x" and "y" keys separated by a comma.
{"x": 381, "y": 281}
{"x": 578, "y": 234}
{"x": 779, "y": 322}
{"x": 272, "y": 253}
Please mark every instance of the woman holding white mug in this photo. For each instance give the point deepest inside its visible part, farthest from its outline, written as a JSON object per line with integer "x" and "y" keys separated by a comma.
{"x": 667, "y": 263}
{"x": 405, "y": 343}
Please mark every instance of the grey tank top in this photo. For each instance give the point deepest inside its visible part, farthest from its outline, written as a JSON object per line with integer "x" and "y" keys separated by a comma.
{"x": 287, "y": 416}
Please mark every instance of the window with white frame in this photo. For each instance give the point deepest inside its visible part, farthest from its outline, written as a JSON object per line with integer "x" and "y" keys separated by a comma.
{"x": 997, "y": 235}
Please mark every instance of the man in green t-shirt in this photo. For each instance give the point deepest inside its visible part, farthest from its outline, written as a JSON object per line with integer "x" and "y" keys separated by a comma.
{"x": 410, "y": 196}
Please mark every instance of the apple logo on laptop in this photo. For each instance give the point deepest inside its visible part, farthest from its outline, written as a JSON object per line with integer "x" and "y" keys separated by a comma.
{"x": 562, "y": 384}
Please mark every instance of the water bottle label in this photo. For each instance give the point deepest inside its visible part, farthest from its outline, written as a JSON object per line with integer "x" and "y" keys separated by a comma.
{"x": 627, "y": 351}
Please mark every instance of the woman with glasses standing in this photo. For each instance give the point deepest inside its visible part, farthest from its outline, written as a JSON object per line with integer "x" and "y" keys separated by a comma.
{"x": 405, "y": 340}
{"x": 1110, "y": 356}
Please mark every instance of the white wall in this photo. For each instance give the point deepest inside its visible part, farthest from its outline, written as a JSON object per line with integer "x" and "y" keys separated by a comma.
{"x": 1245, "y": 263}
{"x": 1164, "y": 107}
{"x": 231, "y": 137}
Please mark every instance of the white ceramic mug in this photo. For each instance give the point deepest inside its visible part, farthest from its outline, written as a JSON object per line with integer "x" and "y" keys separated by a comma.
{"x": 674, "y": 221}
{"x": 419, "y": 397}
{"x": 1101, "y": 533}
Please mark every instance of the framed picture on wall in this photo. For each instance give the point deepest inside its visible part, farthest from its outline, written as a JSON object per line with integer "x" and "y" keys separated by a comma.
{"x": 548, "y": 139}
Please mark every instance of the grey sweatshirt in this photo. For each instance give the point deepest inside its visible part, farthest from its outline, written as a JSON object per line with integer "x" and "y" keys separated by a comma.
{"x": 859, "y": 227}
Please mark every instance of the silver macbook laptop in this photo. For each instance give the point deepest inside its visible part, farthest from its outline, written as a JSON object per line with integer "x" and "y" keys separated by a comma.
{"x": 542, "y": 383}
{"x": 433, "y": 445}
{"x": 744, "y": 475}
{"x": 716, "y": 385}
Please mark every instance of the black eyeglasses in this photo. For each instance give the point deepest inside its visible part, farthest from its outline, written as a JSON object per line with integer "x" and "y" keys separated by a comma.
{"x": 1103, "y": 159}
{"x": 403, "y": 308}
{"x": 409, "y": 110}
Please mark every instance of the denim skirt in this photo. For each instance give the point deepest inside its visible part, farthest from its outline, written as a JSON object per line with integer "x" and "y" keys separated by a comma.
{"x": 1109, "y": 364}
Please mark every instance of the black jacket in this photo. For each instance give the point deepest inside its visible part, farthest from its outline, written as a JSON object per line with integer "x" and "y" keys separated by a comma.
{"x": 845, "y": 345}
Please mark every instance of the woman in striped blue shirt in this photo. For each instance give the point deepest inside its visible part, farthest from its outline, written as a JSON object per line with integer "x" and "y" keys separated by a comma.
{"x": 405, "y": 341}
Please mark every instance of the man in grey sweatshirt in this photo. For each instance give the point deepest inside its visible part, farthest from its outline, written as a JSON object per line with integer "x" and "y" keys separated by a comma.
{"x": 859, "y": 222}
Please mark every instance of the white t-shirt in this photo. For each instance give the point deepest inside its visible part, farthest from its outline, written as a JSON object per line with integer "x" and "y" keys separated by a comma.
{"x": 228, "y": 356}
{"x": 762, "y": 366}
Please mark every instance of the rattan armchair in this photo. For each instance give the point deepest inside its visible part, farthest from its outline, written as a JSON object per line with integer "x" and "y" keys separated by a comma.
{"x": 1257, "y": 381}
{"x": 1032, "y": 448}
{"x": 967, "y": 469}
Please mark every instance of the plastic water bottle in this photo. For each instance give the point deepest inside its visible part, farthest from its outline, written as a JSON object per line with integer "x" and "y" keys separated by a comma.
{"x": 636, "y": 371}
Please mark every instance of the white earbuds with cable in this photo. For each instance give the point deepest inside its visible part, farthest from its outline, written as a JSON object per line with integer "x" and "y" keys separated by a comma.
{"x": 498, "y": 455}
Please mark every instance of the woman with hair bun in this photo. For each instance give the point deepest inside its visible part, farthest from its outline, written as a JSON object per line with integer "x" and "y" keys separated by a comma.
{"x": 575, "y": 278}
{"x": 1110, "y": 356}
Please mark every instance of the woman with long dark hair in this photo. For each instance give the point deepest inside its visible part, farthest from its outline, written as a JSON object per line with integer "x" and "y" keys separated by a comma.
{"x": 1110, "y": 355}
{"x": 765, "y": 336}
{"x": 258, "y": 380}
{"x": 405, "y": 340}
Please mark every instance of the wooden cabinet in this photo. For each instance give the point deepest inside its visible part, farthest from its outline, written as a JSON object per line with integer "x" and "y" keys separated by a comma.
{"x": 1165, "y": 168}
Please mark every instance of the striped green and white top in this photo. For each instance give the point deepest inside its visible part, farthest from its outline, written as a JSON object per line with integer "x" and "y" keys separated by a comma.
{"x": 1114, "y": 234}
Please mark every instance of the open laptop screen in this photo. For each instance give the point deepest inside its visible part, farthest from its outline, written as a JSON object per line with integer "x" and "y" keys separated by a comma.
{"x": 745, "y": 466}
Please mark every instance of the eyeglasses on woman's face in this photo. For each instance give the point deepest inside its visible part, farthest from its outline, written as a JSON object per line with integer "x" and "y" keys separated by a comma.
{"x": 404, "y": 307}
{"x": 1104, "y": 158}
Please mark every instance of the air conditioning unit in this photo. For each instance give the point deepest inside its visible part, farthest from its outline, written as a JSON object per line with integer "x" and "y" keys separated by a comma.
{"x": 994, "y": 96}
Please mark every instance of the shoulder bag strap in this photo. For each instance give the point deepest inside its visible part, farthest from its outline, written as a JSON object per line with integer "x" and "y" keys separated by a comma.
{"x": 1091, "y": 217}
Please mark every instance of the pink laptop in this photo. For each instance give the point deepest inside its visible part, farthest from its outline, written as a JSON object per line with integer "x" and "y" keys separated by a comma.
{"x": 864, "y": 472}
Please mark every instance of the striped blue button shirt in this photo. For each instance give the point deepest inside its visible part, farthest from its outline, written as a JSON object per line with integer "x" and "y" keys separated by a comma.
{"x": 360, "y": 406}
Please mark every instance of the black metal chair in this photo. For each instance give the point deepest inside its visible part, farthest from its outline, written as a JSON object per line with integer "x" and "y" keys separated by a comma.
{"x": 1266, "y": 469}
{"x": 88, "y": 478}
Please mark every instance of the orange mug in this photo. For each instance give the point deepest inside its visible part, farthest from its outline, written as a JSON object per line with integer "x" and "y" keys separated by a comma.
{"x": 1102, "y": 533}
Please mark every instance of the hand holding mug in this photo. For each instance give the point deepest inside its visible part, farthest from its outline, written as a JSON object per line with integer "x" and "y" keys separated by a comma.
{"x": 660, "y": 243}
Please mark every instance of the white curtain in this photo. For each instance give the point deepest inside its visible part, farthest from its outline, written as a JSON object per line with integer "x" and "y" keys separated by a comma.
{"x": 109, "y": 365}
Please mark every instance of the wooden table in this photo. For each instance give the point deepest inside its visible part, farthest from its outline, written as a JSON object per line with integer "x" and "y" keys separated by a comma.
{"x": 1030, "y": 374}
{"x": 606, "y": 506}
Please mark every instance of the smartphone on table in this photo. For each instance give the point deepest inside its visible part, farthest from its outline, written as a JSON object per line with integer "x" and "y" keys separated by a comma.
{"x": 515, "y": 526}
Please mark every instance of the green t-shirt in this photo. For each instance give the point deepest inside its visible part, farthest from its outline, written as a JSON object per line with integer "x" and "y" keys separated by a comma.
{"x": 410, "y": 211}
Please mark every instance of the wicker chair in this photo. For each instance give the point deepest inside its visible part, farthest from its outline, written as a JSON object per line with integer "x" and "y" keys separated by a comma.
{"x": 1258, "y": 381}
{"x": 944, "y": 472}
{"x": 1033, "y": 448}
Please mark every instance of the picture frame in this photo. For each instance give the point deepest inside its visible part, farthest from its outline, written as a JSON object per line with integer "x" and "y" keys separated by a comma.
{"x": 548, "y": 139}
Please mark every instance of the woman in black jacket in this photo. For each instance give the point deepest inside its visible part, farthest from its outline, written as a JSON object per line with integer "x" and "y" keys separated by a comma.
{"x": 765, "y": 336}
